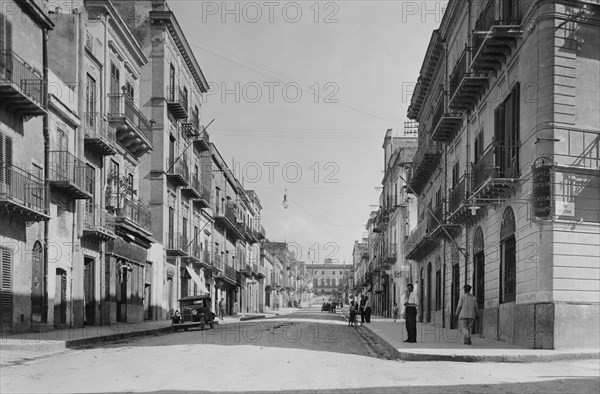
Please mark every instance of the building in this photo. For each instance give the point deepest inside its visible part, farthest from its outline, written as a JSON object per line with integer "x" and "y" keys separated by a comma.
{"x": 98, "y": 135}
{"x": 24, "y": 135}
{"x": 327, "y": 277}
{"x": 506, "y": 172}
{"x": 178, "y": 174}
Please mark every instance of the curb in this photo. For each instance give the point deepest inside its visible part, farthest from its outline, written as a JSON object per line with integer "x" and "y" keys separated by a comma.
{"x": 490, "y": 358}
{"x": 50, "y": 346}
{"x": 252, "y": 317}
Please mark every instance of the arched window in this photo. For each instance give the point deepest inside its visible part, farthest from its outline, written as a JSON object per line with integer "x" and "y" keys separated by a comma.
{"x": 508, "y": 257}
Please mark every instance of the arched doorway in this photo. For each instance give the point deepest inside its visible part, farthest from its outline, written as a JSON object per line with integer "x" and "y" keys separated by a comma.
{"x": 479, "y": 273}
{"x": 508, "y": 257}
{"x": 429, "y": 292}
{"x": 37, "y": 288}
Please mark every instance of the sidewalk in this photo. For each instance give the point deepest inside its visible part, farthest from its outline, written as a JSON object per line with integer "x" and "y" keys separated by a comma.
{"x": 444, "y": 344}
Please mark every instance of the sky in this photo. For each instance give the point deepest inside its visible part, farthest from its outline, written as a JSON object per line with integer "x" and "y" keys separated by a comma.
{"x": 302, "y": 94}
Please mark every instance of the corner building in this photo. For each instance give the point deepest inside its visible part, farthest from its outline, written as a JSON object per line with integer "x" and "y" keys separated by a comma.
{"x": 507, "y": 170}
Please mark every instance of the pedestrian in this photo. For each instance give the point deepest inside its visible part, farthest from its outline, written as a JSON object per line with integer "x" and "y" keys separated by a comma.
{"x": 221, "y": 309}
{"x": 352, "y": 319}
{"x": 333, "y": 306}
{"x": 368, "y": 310}
{"x": 395, "y": 311}
{"x": 411, "y": 315}
{"x": 467, "y": 313}
{"x": 361, "y": 309}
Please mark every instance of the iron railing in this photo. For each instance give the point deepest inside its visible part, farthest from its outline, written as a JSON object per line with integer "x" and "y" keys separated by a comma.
{"x": 65, "y": 167}
{"x": 97, "y": 218}
{"x": 17, "y": 72}
{"x": 497, "y": 161}
{"x": 506, "y": 13}
{"x": 460, "y": 71}
{"x": 175, "y": 94}
{"x": 457, "y": 195}
{"x": 136, "y": 213}
{"x": 22, "y": 188}
{"x": 178, "y": 167}
{"x": 97, "y": 127}
{"x": 122, "y": 106}
{"x": 176, "y": 241}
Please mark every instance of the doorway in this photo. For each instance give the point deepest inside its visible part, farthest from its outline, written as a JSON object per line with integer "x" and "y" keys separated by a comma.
{"x": 147, "y": 301}
{"x": 89, "y": 317}
{"x": 60, "y": 297}
{"x": 37, "y": 289}
{"x": 455, "y": 294}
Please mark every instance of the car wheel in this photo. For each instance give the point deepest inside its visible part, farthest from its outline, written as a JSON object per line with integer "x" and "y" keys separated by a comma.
{"x": 202, "y": 323}
{"x": 174, "y": 329}
{"x": 185, "y": 329}
{"x": 212, "y": 325}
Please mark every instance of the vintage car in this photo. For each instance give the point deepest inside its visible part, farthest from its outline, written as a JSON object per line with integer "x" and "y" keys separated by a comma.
{"x": 194, "y": 311}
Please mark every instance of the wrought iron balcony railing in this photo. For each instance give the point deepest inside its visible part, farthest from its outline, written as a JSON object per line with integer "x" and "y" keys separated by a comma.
{"x": 71, "y": 175}
{"x": 176, "y": 244}
{"x": 177, "y": 172}
{"x": 98, "y": 222}
{"x": 100, "y": 137}
{"x": 22, "y": 193}
{"x": 496, "y": 172}
{"x": 134, "y": 212}
{"x": 133, "y": 129}
{"x": 466, "y": 86}
{"x": 177, "y": 101}
{"x": 22, "y": 88}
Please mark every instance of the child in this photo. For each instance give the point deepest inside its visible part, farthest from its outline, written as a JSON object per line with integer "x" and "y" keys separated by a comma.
{"x": 395, "y": 311}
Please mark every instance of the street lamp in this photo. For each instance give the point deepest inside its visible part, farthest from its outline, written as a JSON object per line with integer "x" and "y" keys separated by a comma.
{"x": 285, "y": 202}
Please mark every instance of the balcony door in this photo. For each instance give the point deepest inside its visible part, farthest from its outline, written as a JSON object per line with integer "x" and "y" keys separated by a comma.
{"x": 60, "y": 297}
{"x": 507, "y": 135}
{"x": 171, "y": 227}
{"x": 115, "y": 89}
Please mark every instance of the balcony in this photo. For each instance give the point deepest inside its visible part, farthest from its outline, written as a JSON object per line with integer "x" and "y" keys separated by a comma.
{"x": 177, "y": 102}
{"x": 261, "y": 232}
{"x": 390, "y": 255}
{"x": 98, "y": 223}
{"x": 228, "y": 275}
{"x": 228, "y": 219}
{"x": 439, "y": 226}
{"x": 445, "y": 123}
{"x": 193, "y": 189}
{"x": 134, "y": 214}
{"x": 247, "y": 270}
{"x": 197, "y": 134}
{"x": 496, "y": 173}
{"x": 249, "y": 234}
{"x": 176, "y": 244}
{"x": 22, "y": 194}
{"x": 217, "y": 263}
{"x": 203, "y": 200}
{"x": 134, "y": 131}
{"x": 70, "y": 175}
{"x": 426, "y": 160}
{"x": 430, "y": 63}
{"x": 178, "y": 172}
{"x": 457, "y": 202}
{"x": 100, "y": 137}
{"x": 22, "y": 88}
{"x": 419, "y": 243}
{"x": 495, "y": 35}
{"x": 466, "y": 86}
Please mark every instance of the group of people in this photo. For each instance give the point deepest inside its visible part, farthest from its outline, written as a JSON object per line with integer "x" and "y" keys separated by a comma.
{"x": 363, "y": 308}
{"x": 329, "y": 307}
{"x": 466, "y": 311}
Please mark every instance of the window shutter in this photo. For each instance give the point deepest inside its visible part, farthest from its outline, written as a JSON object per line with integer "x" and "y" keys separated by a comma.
{"x": 2, "y": 38}
{"x": 6, "y": 285}
{"x": 8, "y": 159}
{"x": 515, "y": 123}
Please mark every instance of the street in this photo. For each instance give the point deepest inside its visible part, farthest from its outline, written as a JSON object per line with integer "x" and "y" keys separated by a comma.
{"x": 307, "y": 350}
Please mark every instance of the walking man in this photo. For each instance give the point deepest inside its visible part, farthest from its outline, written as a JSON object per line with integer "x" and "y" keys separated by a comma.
{"x": 411, "y": 315}
{"x": 467, "y": 313}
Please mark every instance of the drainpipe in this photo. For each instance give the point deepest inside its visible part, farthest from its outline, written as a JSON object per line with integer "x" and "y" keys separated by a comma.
{"x": 45, "y": 130}
{"x": 102, "y": 111}
{"x": 468, "y": 148}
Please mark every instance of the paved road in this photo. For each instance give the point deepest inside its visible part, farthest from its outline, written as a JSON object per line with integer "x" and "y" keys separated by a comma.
{"x": 308, "y": 350}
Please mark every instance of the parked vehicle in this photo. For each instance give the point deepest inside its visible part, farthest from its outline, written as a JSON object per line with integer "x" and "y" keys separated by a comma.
{"x": 194, "y": 311}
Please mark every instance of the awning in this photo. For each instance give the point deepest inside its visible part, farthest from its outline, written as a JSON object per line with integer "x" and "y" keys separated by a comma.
{"x": 198, "y": 279}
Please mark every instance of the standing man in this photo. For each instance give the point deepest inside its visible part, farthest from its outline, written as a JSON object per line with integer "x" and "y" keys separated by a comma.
{"x": 411, "y": 315}
{"x": 467, "y": 313}
{"x": 368, "y": 310}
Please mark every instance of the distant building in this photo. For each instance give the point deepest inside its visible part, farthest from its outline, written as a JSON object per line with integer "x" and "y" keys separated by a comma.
{"x": 327, "y": 276}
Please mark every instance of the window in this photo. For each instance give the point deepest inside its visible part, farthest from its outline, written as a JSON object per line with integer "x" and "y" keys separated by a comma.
{"x": 115, "y": 79}
{"x": 5, "y": 40}
{"x": 6, "y": 296}
{"x": 6, "y": 159}
{"x": 90, "y": 101}
{"x": 89, "y": 41}
{"x": 507, "y": 135}
{"x": 90, "y": 177}
{"x": 455, "y": 174}
{"x": 478, "y": 147}
{"x": 129, "y": 90}
{"x": 172, "y": 83}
